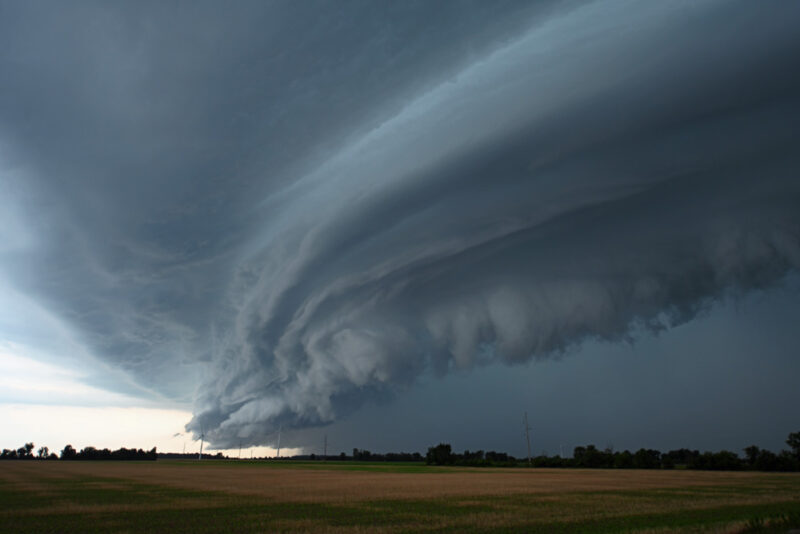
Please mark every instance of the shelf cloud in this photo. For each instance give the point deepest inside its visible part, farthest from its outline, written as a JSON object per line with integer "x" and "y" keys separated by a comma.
{"x": 288, "y": 210}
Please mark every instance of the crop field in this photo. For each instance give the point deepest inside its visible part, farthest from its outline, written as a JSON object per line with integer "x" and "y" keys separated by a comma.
{"x": 230, "y": 496}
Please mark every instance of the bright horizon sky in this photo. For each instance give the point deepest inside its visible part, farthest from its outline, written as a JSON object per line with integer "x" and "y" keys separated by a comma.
{"x": 101, "y": 419}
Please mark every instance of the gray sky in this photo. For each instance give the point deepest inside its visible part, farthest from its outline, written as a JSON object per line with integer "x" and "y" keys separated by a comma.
{"x": 404, "y": 223}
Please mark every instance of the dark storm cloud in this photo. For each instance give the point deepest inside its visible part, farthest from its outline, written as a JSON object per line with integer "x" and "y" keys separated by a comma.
{"x": 135, "y": 138}
{"x": 323, "y": 201}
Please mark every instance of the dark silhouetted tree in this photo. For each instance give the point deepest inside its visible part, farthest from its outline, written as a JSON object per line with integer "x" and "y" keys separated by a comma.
{"x": 69, "y": 453}
{"x": 442, "y": 454}
{"x": 751, "y": 453}
{"x": 647, "y": 459}
{"x": 25, "y": 452}
{"x": 793, "y": 441}
{"x": 362, "y": 455}
{"x": 623, "y": 460}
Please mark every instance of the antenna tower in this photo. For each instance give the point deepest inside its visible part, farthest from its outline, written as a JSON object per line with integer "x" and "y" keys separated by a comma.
{"x": 528, "y": 437}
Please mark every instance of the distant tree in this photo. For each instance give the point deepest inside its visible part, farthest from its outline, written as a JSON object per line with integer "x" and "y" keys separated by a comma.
{"x": 589, "y": 456}
{"x": 476, "y": 458}
{"x": 596, "y": 458}
{"x": 787, "y": 461}
{"x": 43, "y": 452}
{"x": 68, "y": 453}
{"x": 751, "y": 453}
{"x": 719, "y": 461}
{"x": 88, "y": 453}
{"x": 442, "y": 454}
{"x": 498, "y": 458}
{"x": 793, "y": 441}
{"x": 25, "y": 452}
{"x": 682, "y": 456}
{"x": 362, "y": 455}
{"x": 667, "y": 462}
{"x": 578, "y": 454}
{"x": 623, "y": 460}
{"x": 727, "y": 461}
{"x": 647, "y": 459}
{"x": 766, "y": 461}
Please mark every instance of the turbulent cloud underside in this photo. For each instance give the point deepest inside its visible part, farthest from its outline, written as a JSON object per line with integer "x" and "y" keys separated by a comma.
{"x": 321, "y": 224}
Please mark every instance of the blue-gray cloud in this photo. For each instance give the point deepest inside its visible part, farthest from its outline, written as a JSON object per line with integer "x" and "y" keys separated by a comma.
{"x": 316, "y": 203}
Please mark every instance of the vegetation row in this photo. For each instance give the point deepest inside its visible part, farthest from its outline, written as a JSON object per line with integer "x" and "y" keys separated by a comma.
{"x": 589, "y": 456}
{"x": 69, "y": 453}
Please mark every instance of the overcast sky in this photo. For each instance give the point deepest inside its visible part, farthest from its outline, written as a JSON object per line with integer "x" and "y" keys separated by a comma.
{"x": 399, "y": 223}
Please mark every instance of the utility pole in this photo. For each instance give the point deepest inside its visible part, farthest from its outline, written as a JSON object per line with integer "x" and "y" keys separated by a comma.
{"x": 528, "y": 437}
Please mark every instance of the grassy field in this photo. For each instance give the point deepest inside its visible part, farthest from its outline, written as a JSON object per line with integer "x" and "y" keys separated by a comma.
{"x": 217, "y": 496}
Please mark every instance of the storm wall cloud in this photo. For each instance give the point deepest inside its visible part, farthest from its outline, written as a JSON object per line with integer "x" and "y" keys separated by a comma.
{"x": 283, "y": 211}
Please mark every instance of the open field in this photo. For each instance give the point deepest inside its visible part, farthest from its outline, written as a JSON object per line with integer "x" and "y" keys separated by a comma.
{"x": 218, "y": 496}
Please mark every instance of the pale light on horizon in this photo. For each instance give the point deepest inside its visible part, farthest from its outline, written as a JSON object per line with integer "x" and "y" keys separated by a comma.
{"x": 108, "y": 427}
{"x": 83, "y": 426}
{"x": 50, "y": 406}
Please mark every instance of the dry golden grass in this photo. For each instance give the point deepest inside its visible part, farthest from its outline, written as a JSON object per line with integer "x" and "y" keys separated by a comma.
{"x": 275, "y": 498}
{"x": 296, "y": 485}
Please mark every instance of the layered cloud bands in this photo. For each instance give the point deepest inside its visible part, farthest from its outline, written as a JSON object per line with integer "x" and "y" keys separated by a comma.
{"x": 616, "y": 167}
{"x": 317, "y": 204}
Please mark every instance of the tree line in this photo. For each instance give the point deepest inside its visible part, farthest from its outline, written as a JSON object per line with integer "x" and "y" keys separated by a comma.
{"x": 69, "y": 453}
{"x": 589, "y": 456}
{"x": 363, "y": 455}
